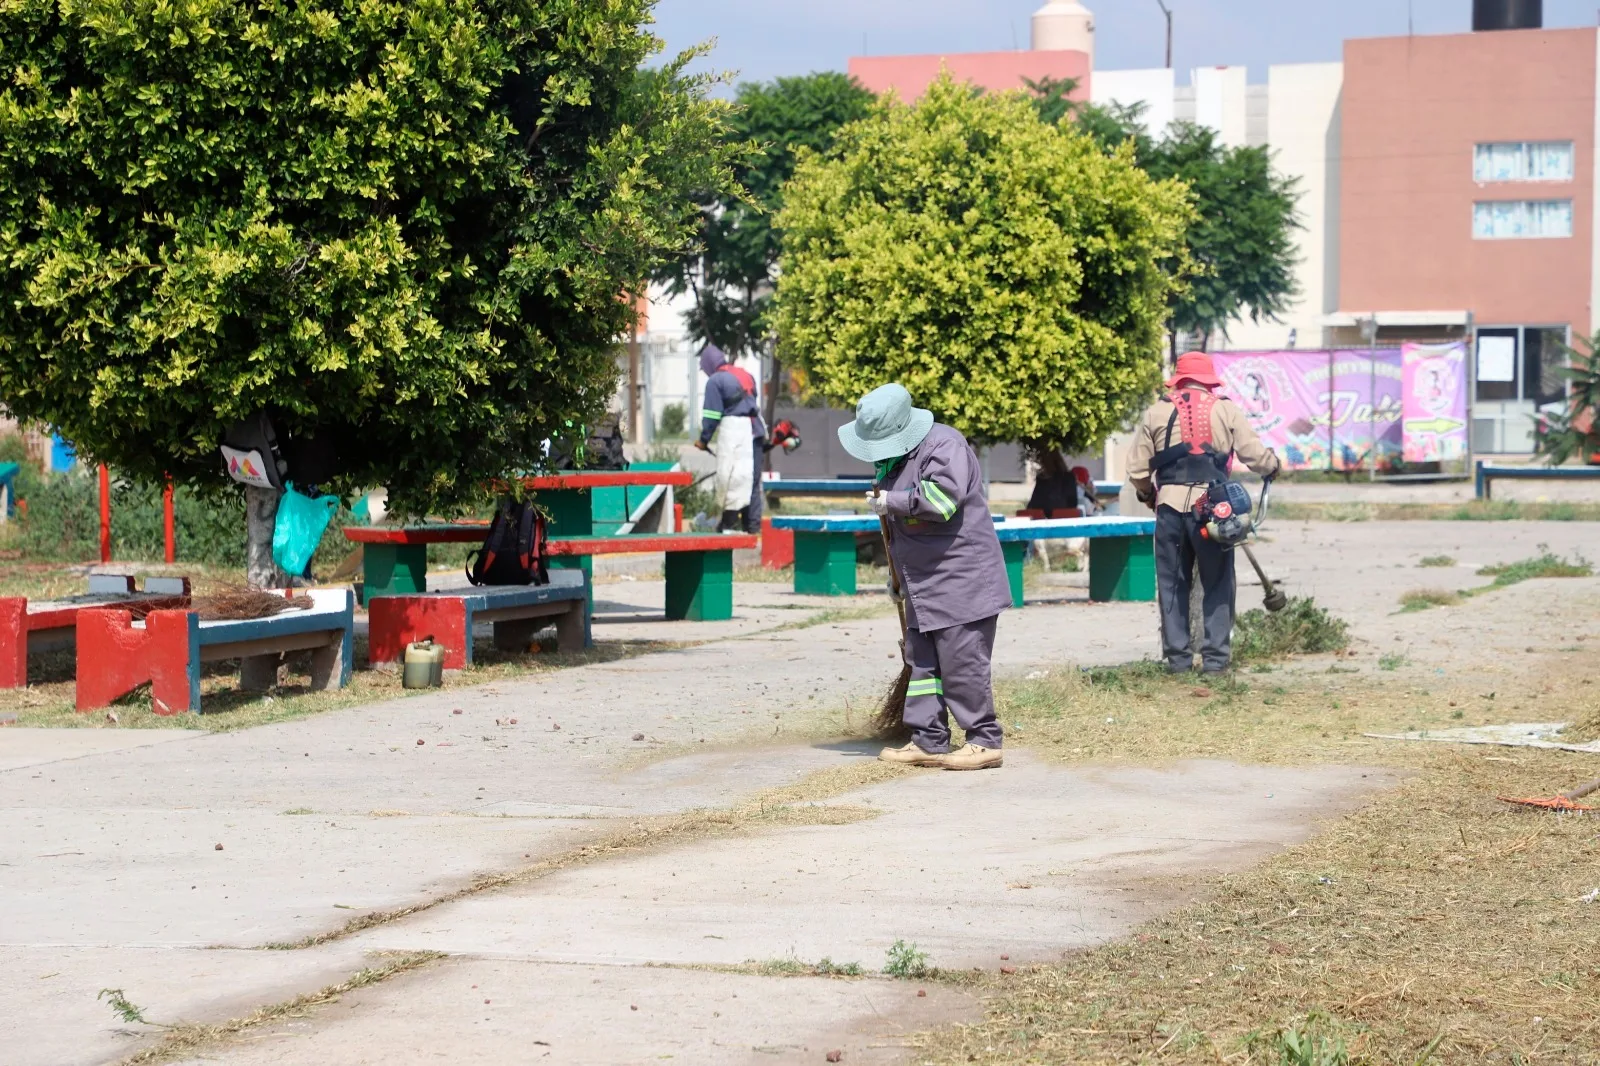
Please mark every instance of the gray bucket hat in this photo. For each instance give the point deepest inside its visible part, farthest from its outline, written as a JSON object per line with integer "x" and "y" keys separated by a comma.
{"x": 886, "y": 425}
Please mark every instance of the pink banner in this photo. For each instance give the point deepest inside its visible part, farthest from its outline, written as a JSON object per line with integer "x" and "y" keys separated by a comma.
{"x": 1435, "y": 402}
{"x": 1320, "y": 409}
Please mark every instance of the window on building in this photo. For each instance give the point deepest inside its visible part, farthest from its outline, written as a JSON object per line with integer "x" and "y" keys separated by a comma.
{"x": 1521, "y": 363}
{"x": 1524, "y": 161}
{"x": 1512, "y": 219}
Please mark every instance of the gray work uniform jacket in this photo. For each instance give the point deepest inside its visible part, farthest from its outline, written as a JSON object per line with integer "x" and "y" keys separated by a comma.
{"x": 725, "y": 396}
{"x": 942, "y": 535}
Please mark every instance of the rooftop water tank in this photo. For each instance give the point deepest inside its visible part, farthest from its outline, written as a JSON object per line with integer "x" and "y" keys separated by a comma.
{"x": 1506, "y": 14}
{"x": 1063, "y": 26}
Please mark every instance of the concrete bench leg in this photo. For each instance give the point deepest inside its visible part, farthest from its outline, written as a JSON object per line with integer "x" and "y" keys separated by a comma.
{"x": 1016, "y": 553}
{"x": 1122, "y": 568}
{"x": 825, "y": 564}
{"x": 700, "y": 586}
{"x": 514, "y": 635}
{"x": 13, "y": 642}
{"x": 258, "y": 673}
{"x": 393, "y": 570}
{"x": 572, "y": 628}
{"x": 327, "y": 667}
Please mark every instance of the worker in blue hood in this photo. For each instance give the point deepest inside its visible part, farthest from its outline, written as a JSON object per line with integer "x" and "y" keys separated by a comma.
{"x": 730, "y": 415}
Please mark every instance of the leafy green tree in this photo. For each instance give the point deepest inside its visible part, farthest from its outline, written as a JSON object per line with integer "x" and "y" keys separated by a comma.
{"x": 1242, "y": 247}
{"x": 402, "y": 227}
{"x": 730, "y": 275}
{"x": 1008, "y": 272}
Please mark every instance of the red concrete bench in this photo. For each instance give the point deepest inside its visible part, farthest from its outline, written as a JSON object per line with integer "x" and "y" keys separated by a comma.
{"x": 44, "y": 626}
{"x": 166, "y": 650}
{"x": 699, "y": 566}
{"x": 448, "y": 615}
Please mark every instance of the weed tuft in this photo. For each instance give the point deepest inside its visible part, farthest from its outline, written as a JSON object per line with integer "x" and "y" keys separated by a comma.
{"x": 1437, "y": 562}
{"x": 1545, "y": 564}
{"x": 906, "y": 962}
{"x": 123, "y": 1008}
{"x": 1394, "y": 660}
{"x": 1300, "y": 628}
{"x": 1422, "y": 599}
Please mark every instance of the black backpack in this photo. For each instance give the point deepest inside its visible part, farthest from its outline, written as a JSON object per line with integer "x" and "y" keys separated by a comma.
{"x": 515, "y": 552}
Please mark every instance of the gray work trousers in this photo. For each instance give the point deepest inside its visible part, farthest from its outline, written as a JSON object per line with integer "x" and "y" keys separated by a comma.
{"x": 1179, "y": 547}
{"x": 950, "y": 675}
{"x": 752, "y": 514}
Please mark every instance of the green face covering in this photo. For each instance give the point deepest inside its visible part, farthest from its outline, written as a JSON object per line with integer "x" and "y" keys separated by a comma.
{"x": 883, "y": 467}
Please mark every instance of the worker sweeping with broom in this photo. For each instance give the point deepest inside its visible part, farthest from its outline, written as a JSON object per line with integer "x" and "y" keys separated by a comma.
{"x": 946, "y": 563}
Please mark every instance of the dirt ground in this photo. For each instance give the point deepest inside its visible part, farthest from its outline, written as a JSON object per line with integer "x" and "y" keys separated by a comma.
{"x": 1165, "y": 871}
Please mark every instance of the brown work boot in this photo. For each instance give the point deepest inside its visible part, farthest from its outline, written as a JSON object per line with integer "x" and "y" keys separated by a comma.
{"x": 971, "y": 757}
{"x": 911, "y": 755}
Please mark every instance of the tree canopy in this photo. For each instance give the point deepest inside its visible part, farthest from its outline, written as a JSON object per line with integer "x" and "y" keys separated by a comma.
{"x": 1242, "y": 246}
{"x": 1012, "y": 275}
{"x": 405, "y": 228}
{"x": 731, "y": 273}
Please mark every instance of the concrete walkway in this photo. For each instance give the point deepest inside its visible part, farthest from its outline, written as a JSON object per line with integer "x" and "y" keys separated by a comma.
{"x": 111, "y": 875}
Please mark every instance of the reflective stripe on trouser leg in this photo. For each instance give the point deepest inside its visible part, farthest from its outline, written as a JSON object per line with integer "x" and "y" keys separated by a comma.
{"x": 925, "y": 713}
{"x": 964, "y": 653}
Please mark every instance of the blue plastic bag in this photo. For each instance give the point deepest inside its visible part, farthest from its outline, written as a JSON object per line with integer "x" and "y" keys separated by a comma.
{"x": 301, "y": 522}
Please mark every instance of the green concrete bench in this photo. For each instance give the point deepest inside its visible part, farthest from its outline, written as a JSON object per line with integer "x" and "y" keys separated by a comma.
{"x": 699, "y": 566}
{"x": 1121, "y": 567}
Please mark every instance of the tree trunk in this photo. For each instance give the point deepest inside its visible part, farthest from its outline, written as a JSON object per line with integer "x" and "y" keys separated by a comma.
{"x": 261, "y": 514}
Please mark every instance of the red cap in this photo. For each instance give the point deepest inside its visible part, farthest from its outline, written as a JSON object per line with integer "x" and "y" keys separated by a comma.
{"x": 1196, "y": 367}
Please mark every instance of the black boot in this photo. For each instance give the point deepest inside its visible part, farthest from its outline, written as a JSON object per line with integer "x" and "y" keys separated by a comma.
{"x": 730, "y": 521}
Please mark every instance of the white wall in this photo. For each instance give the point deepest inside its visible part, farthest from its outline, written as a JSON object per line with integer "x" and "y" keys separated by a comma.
{"x": 1219, "y": 100}
{"x": 1303, "y": 135}
{"x": 1152, "y": 88}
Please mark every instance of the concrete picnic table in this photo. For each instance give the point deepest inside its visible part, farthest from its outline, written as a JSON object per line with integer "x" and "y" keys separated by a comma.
{"x": 1120, "y": 568}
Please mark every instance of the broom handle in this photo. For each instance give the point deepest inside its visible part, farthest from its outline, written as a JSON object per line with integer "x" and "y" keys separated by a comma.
{"x": 1583, "y": 790}
{"x": 894, "y": 575}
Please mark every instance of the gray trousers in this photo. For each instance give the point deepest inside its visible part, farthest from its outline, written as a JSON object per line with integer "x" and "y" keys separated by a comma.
{"x": 1179, "y": 547}
{"x": 758, "y": 499}
{"x": 950, "y": 675}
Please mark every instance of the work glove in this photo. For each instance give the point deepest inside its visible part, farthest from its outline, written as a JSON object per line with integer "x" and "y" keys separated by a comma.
{"x": 701, "y": 445}
{"x": 879, "y": 502}
{"x": 897, "y": 594}
{"x": 1147, "y": 496}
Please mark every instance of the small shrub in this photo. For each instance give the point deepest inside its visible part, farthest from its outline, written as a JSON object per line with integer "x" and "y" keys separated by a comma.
{"x": 1437, "y": 561}
{"x": 1422, "y": 599}
{"x": 674, "y": 417}
{"x": 905, "y": 961}
{"x": 1300, "y": 628}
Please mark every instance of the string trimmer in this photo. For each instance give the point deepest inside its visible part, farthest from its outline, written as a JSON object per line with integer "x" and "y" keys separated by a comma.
{"x": 1225, "y": 512}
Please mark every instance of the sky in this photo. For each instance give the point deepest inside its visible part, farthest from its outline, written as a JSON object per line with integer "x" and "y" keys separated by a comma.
{"x": 763, "y": 39}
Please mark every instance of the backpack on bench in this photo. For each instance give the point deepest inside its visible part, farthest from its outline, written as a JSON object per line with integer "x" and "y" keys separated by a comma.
{"x": 515, "y": 552}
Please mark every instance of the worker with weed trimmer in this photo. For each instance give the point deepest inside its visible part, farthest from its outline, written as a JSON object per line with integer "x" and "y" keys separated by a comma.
{"x": 1186, "y": 443}
{"x": 947, "y": 573}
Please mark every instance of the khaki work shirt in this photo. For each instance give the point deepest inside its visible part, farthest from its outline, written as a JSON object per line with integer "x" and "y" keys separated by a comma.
{"x": 1230, "y": 432}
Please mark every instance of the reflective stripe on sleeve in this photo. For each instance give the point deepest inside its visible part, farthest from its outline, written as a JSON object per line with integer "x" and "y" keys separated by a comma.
{"x": 715, "y": 416}
{"x": 941, "y": 503}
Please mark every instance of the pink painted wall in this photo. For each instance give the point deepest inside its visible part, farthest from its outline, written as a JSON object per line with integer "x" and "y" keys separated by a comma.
{"x": 910, "y": 76}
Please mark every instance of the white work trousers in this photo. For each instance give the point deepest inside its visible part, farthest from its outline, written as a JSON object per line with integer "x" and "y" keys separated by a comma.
{"x": 736, "y": 463}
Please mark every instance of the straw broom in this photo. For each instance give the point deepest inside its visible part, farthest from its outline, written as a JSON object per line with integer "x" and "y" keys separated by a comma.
{"x": 889, "y": 723}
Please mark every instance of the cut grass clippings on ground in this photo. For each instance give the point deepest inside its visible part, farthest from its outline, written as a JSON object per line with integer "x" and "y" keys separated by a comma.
{"x": 1422, "y": 599}
{"x": 1433, "y": 925}
{"x": 1471, "y": 511}
{"x": 1301, "y": 628}
{"x": 1544, "y": 565}
{"x": 1437, "y": 562}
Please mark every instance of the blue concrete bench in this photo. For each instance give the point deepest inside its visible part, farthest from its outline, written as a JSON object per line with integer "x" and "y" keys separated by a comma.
{"x": 116, "y": 654}
{"x": 1122, "y": 568}
{"x": 777, "y": 488}
{"x": 1487, "y": 474}
{"x": 448, "y": 615}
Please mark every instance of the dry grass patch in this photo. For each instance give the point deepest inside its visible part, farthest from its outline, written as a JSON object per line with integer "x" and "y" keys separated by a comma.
{"x": 1422, "y": 599}
{"x": 1434, "y": 925}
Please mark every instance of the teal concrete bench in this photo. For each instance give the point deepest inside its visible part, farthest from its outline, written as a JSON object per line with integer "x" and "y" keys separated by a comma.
{"x": 1488, "y": 474}
{"x": 1122, "y": 567}
{"x": 699, "y": 566}
{"x": 777, "y": 488}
